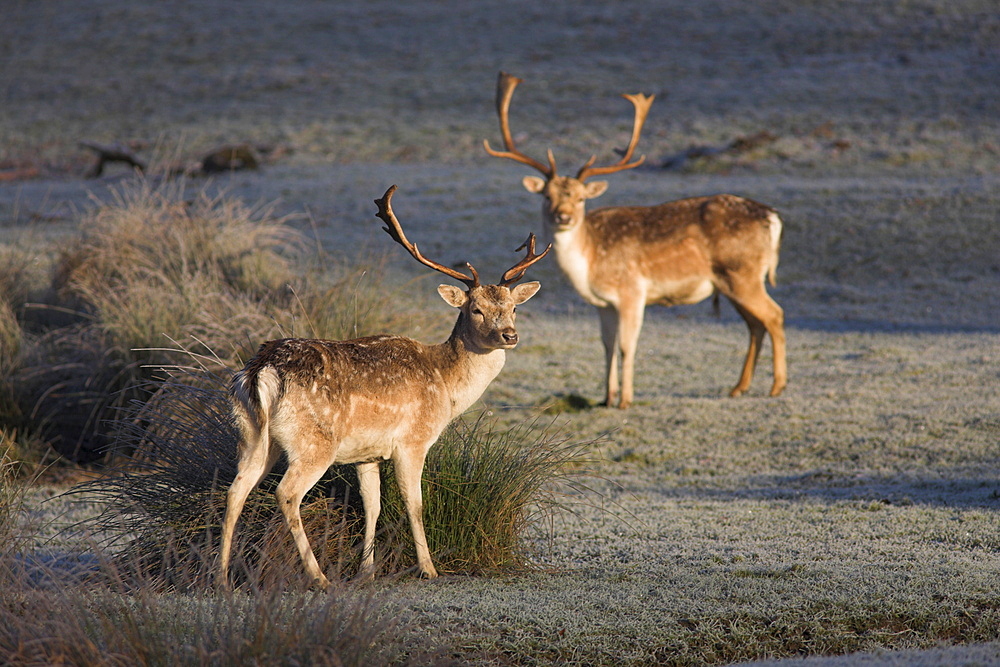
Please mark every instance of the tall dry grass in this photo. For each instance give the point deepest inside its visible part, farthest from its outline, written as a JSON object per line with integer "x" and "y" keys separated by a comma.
{"x": 74, "y": 627}
{"x": 19, "y": 280}
{"x": 11, "y": 341}
{"x": 14, "y": 289}
{"x": 154, "y": 265}
{"x": 68, "y": 609}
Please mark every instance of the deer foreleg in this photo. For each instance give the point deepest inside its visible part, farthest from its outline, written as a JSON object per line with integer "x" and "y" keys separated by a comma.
{"x": 609, "y": 337}
{"x": 757, "y": 330}
{"x": 409, "y": 468}
{"x": 629, "y": 326}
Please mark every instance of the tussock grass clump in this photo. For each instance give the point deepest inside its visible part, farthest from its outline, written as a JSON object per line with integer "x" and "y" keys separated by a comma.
{"x": 91, "y": 609}
{"x": 78, "y": 627}
{"x": 19, "y": 280}
{"x": 153, "y": 266}
{"x": 26, "y": 452}
{"x": 152, "y": 263}
{"x": 11, "y": 496}
{"x": 483, "y": 490}
{"x": 17, "y": 274}
{"x": 11, "y": 341}
{"x": 11, "y": 337}
{"x": 15, "y": 286}
{"x": 156, "y": 234}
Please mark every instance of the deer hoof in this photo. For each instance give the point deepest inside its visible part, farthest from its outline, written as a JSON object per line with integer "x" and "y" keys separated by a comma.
{"x": 322, "y": 584}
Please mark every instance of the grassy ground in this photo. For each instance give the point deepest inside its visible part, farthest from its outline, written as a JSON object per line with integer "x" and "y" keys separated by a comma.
{"x": 861, "y": 510}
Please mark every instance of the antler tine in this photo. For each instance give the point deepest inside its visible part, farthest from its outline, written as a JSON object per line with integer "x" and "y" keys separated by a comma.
{"x": 395, "y": 230}
{"x": 506, "y": 83}
{"x": 516, "y": 272}
{"x": 641, "y": 103}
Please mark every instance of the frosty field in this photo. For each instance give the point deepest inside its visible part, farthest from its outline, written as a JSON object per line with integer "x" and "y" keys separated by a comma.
{"x": 857, "y": 513}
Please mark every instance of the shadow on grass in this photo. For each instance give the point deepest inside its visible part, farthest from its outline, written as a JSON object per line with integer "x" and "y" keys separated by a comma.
{"x": 881, "y": 326}
{"x": 830, "y": 486}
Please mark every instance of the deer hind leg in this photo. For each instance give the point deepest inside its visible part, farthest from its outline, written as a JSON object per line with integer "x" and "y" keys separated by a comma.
{"x": 256, "y": 460}
{"x": 761, "y": 314}
{"x": 298, "y": 479}
{"x": 609, "y": 336}
{"x": 368, "y": 478}
{"x": 629, "y": 325}
{"x": 409, "y": 469}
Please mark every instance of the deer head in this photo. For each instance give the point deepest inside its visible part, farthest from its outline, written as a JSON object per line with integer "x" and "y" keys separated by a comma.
{"x": 565, "y": 196}
{"x": 487, "y": 312}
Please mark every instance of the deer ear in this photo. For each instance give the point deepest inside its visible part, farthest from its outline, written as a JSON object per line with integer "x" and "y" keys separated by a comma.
{"x": 453, "y": 296}
{"x": 596, "y": 189}
{"x": 525, "y": 291}
{"x": 533, "y": 183}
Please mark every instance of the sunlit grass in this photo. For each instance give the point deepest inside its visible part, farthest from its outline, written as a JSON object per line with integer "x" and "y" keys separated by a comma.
{"x": 154, "y": 265}
{"x": 484, "y": 489}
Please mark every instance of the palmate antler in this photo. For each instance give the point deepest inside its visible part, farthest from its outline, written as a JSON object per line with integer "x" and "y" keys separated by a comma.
{"x": 506, "y": 84}
{"x": 641, "y": 103}
{"x": 395, "y": 230}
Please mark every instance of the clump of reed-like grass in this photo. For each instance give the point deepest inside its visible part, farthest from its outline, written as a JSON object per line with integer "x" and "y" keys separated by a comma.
{"x": 15, "y": 271}
{"x": 153, "y": 266}
{"x": 54, "y": 614}
{"x": 11, "y": 494}
{"x": 86, "y": 609}
{"x": 483, "y": 490}
{"x": 87, "y": 627}
{"x": 11, "y": 341}
{"x": 19, "y": 279}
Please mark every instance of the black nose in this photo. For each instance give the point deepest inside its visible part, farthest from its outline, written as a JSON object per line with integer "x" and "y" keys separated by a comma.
{"x": 510, "y": 337}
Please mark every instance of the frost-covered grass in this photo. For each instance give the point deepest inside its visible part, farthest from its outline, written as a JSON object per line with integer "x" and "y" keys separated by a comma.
{"x": 900, "y": 85}
{"x": 858, "y": 512}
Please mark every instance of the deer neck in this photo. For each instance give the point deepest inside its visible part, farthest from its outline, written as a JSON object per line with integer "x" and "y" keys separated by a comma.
{"x": 574, "y": 248}
{"x": 466, "y": 369}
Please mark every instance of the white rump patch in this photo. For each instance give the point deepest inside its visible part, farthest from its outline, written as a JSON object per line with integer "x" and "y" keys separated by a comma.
{"x": 775, "y": 230}
{"x": 268, "y": 388}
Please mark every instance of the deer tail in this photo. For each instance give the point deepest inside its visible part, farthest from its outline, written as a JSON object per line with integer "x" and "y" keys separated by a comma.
{"x": 254, "y": 392}
{"x": 775, "y": 227}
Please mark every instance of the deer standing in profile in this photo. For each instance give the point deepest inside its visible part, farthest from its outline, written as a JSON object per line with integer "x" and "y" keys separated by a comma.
{"x": 360, "y": 401}
{"x": 623, "y": 258}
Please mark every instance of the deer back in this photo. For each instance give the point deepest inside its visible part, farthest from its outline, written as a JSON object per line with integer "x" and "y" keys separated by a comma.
{"x": 364, "y": 396}
{"x": 674, "y": 252}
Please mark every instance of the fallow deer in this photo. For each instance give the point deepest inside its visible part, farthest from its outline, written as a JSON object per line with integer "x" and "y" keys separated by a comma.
{"x": 360, "y": 401}
{"x": 622, "y": 259}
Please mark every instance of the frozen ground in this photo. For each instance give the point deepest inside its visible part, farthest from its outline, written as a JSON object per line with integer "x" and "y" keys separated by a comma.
{"x": 873, "y": 481}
